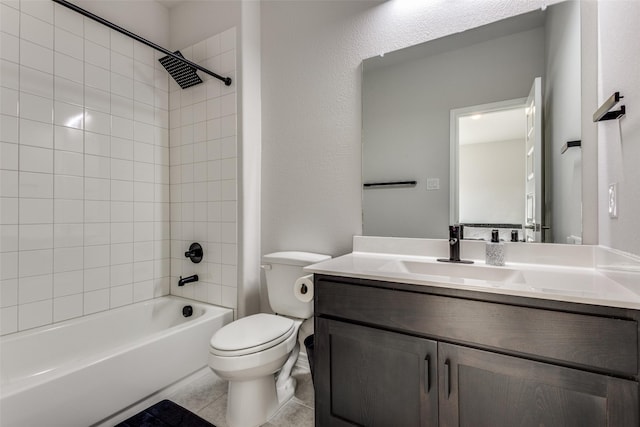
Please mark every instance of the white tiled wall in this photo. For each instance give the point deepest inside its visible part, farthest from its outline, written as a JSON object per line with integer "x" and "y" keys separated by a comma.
{"x": 203, "y": 170}
{"x": 84, "y": 167}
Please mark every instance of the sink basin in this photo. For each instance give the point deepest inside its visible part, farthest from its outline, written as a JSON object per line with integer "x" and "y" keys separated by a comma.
{"x": 455, "y": 272}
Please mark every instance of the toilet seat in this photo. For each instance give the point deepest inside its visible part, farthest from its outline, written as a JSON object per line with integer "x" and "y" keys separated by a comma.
{"x": 251, "y": 334}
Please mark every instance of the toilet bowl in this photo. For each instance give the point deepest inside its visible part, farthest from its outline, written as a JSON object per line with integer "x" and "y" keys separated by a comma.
{"x": 257, "y": 353}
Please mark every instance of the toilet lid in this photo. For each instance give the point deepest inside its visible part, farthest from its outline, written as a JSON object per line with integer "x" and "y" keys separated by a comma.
{"x": 251, "y": 334}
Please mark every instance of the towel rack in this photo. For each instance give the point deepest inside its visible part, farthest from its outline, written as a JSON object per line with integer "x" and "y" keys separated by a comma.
{"x": 389, "y": 184}
{"x": 570, "y": 144}
{"x": 605, "y": 113}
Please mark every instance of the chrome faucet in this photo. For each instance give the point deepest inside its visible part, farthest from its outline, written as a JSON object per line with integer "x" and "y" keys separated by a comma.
{"x": 188, "y": 279}
{"x": 455, "y": 235}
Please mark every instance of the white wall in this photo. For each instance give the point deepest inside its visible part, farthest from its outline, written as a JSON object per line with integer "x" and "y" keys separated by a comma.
{"x": 84, "y": 178}
{"x": 406, "y": 125}
{"x": 311, "y": 56}
{"x": 203, "y": 169}
{"x": 492, "y": 182}
{"x": 619, "y": 140}
{"x": 563, "y": 120}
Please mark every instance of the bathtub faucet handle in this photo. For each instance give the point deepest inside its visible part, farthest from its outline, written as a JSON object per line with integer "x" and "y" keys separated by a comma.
{"x": 194, "y": 253}
{"x": 186, "y": 280}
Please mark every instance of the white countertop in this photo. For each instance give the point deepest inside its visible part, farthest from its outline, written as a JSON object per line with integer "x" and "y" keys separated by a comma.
{"x": 614, "y": 287}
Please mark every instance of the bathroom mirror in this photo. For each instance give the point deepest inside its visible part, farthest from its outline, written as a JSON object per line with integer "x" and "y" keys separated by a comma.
{"x": 410, "y": 160}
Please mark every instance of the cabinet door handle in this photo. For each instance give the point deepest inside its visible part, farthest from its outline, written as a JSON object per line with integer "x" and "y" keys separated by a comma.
{"x": 427, "y": 373}
{"x": 447, "y": 379}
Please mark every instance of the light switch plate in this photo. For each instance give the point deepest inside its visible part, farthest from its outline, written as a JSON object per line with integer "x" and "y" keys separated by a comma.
{"x": 613, "y": 201}
{"x": 433, "y": 184}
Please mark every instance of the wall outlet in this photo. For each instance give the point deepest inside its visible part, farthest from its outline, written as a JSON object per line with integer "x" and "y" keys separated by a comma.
{"x": 433, "y": 184}
{"x": 613, "y": 200}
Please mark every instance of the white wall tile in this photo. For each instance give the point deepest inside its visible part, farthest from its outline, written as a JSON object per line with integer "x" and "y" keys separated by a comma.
{"x": 97, "y": 234}
{"x": 68, "y": 259}
{"x": 9, "y": 74}
{"x": 35, "y": 263}
{"x": 36, "y": 211}
{"x": 96, "y": 278}
{"x": 68, "y": 163}
{"x": 96, "y": 256}
{"x": 68, "y": 67}
{"x": 9, "y": 183}
{"x": 97, "y": 33}
{"x": 35, "y": 288}
{"x": 9, "y": 264}
{"x": 121, "y": 274}
{"x": 121, "y": 253}
{"x": 122, "y": 85}
{"x": 9, "y": 20}
{"x": 97, "y": 77}
{"x": 68, "y": 139}
{"x": 69, "y": 115}
{"x": 8, "y": 129}
{"x": 121, "y": 190}
{"x": 8, "y": 292}
{"x": 96, "y": 301}
{"x": 68, "y": 43}
{"x": 121, "y": 295}
{"x": 69, "y": 91}
{"x": 36, "y": 185}
{"x": 97, "y": 188}
{"x": 96, "y": 211}
{"x": 97, "y": 54}
{"x": 68, "y": 211}
{"x": 36, "y": 108}
{"x": 97, "y": 100}
{"x": 9, "y": 209}
{"x": 68, "y": 235}
{"x": 68, "y": 187}
{"x": 67, "y": 283}
{"x": 36, "y": 236}
{"x": 36, "y": 31}
{"x": 67, "y": 307}
{"x": 8, "y": 156}
{"x": 35, "y": 314}
{"x": 97, "y": 167}
{"x": 36, "y": 134}
{"x": 97, "y": 144}
{"x": 68, "y": 19}
{"x": 8, "y": 238}
{"x": 36, "y": 82}
{"x": 9, "y": 101}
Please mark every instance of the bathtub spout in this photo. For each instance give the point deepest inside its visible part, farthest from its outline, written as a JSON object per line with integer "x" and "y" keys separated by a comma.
{"x": 186, "y": 280}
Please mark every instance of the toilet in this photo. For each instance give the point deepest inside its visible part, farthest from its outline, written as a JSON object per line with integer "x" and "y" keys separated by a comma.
{"x": 256, "y": 353}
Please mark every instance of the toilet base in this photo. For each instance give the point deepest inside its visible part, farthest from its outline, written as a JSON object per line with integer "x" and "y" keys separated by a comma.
{"x": 266, "y": 394}
{"x": 251, "y": 403}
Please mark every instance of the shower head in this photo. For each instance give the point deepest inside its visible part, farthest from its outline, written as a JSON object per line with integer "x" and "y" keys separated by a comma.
{"x": 182, "y": 73}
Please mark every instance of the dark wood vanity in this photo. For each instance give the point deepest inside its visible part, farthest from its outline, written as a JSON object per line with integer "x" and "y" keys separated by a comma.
{"x": 394, "y": 354}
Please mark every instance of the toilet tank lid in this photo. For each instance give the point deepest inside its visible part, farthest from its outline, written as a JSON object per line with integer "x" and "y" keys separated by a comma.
{"x": 294, "y": 258}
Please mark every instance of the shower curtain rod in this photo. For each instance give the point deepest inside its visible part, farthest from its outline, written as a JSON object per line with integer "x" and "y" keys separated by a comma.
{"x": 226, "y": 80}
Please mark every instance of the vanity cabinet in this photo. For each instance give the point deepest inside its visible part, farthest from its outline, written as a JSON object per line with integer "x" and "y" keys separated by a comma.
{"x": 392, "y": 354}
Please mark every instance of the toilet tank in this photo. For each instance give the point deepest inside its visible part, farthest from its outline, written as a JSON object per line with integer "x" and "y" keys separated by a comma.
{"x": 282, "y": 269}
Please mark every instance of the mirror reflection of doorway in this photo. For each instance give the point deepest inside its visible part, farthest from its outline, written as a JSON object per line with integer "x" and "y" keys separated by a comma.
{"x": 490, "y": 167}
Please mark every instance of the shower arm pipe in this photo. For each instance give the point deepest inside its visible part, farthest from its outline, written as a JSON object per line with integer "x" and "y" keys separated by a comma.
{"x": 65, "y": 3}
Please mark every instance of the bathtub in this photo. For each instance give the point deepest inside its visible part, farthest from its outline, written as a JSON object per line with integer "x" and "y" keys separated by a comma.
{"x": 81, "y": 371}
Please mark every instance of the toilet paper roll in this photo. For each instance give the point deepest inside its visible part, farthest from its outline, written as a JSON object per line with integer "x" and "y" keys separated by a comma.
{"x": 303, "y": 288}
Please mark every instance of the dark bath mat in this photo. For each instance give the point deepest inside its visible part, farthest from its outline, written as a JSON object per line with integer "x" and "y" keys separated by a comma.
{"x": 165, "y": 414}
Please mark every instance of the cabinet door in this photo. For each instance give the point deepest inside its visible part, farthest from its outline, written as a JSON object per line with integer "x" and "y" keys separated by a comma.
{"x": 480, "y": 388}
{"x": 370, "y": 377}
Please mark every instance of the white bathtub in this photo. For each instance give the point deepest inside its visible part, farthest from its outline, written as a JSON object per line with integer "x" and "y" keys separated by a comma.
{"x": 81, "y": 371}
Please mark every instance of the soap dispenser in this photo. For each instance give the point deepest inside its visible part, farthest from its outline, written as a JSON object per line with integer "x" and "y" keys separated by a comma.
{"x": 495, "y": 250}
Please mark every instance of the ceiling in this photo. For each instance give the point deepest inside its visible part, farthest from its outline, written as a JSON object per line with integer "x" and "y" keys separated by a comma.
{"x": 503, "y": 125}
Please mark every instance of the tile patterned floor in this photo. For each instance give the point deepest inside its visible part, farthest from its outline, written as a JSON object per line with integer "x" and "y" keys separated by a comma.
{"x": 207, "y": 397}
